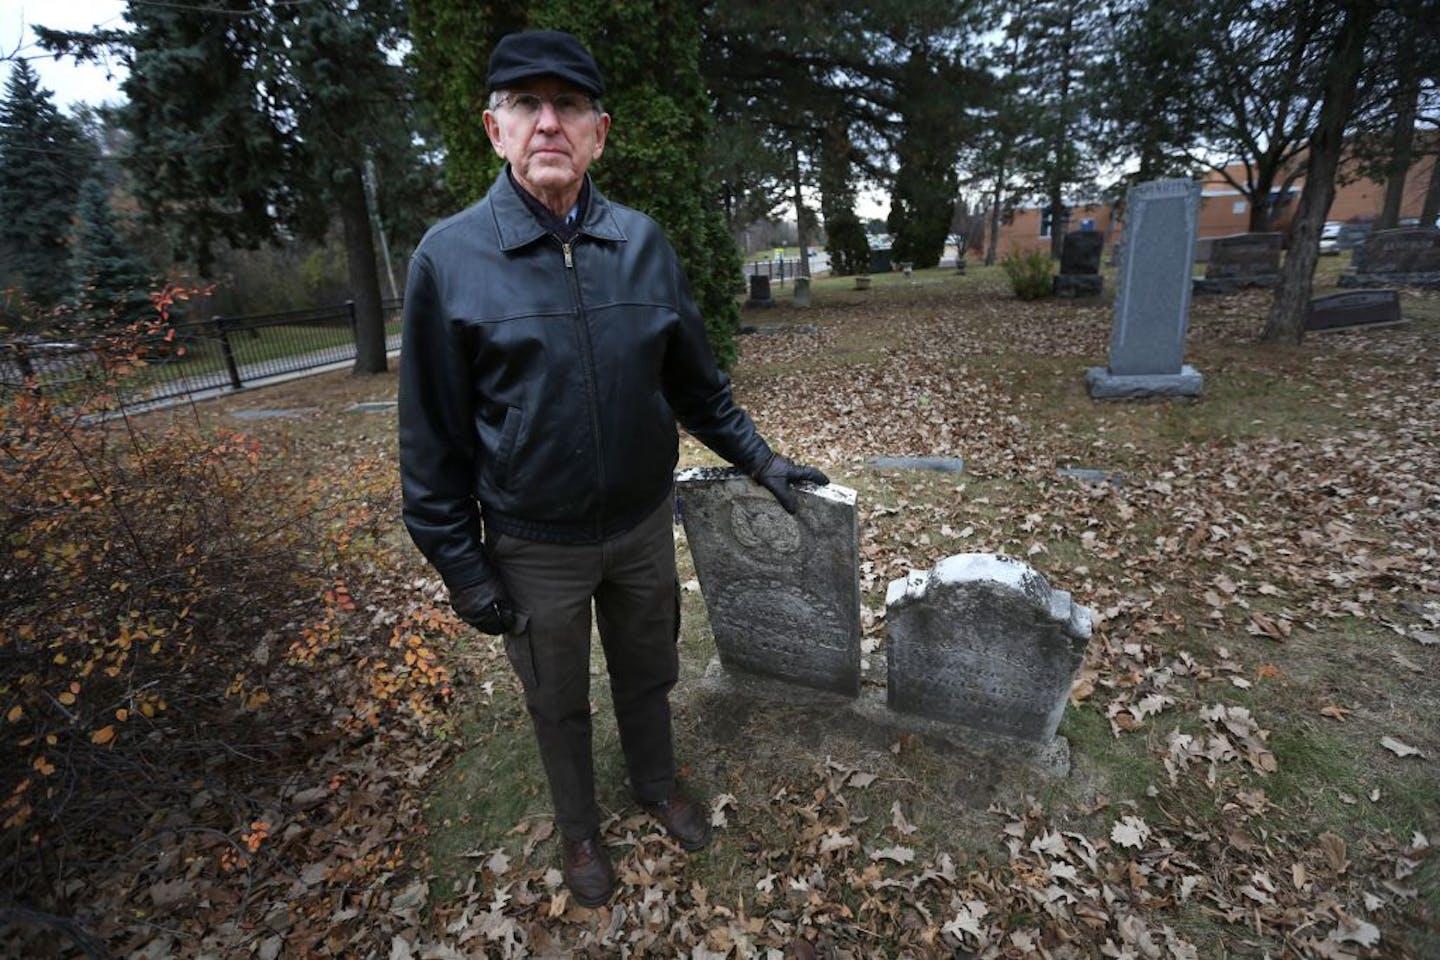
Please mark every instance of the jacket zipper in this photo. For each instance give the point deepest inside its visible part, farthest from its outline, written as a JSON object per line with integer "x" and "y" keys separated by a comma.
{"x": 588, "y": 356}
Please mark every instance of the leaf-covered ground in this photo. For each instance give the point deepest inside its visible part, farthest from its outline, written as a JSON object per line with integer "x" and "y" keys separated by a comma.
{"x": 1253, "y": 732}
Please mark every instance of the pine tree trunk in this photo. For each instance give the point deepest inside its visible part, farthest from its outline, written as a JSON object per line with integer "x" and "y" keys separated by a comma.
{"x": 1287, "y": 312}
{"x": 1431, "y": 208}
{"x": 992, "y": 242}
{"x": 364, "y": 278}
{"x": 1407, "y": 101}
{"x": 1260, "y": 211}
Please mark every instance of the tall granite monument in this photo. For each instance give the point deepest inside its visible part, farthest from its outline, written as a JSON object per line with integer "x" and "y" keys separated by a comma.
{"x": 1152, "y": 305}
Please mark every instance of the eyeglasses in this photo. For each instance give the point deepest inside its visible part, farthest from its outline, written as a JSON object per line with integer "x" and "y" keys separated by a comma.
{"x": 568, "y": 106}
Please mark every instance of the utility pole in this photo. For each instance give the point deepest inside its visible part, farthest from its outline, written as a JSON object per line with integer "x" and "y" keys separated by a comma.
{"x": 375, "y": 224}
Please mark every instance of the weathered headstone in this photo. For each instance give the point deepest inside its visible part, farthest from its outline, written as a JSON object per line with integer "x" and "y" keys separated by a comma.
{"x": 1079, "y": 274}
{"x": 1152, "y": 303}
{"x": 1409, "y": 256}
{"x": 802, "y": 291}
{"x": 759, "y": 292}
{"x": 1241, "y": 260}
{"x": 960, "y": 264}
{"x": 1081, "y": 252}
{"x": 1358, "y": 308}
{"x": 782, "y": 590}
{"x": 862, "y": 282}
{"x": 372, "y": 406}
{"x": 982, "y": 640}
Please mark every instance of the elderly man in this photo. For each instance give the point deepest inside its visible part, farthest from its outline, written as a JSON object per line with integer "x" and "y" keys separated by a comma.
{"x": 550, "y": 346}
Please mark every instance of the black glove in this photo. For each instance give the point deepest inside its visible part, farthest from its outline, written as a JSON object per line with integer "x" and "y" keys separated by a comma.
{"x": 777, "y": 475}
{"x": 484, "y": 605}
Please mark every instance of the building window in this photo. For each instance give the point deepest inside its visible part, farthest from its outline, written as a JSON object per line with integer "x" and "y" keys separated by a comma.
{"x": 1238, "y": 207}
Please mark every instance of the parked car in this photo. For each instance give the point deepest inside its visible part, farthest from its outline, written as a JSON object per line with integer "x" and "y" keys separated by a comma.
{"x": 1330, "y": 237}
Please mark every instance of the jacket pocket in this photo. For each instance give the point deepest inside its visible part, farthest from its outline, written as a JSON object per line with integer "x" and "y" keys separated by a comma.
{"x": 505, "y": 453}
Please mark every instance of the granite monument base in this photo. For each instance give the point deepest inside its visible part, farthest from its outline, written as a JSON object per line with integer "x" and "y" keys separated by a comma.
{"x": 1107, "y": 386}
{"x": 1389, "y": 280}
{"x": 1077, "y": 285}
{"x": 728, "y": 694}
{"x": 1218, "y": 286}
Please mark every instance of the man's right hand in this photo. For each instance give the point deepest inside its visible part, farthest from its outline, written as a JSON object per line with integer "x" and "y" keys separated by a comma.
{"x": 484, "y": 605}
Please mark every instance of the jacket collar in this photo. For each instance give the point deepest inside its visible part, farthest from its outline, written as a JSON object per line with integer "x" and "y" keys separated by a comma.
{"x": 516, "y": 226}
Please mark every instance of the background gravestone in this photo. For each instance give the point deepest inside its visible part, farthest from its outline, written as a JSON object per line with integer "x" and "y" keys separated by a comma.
{"x": 782, "y": 591}
{"x": 982, "y": 640}
{"x": 1241, "y": 260}
{"x": 1079, "y": 265}
{"x": 1152, "y": 304}
{"x": 1409, "y": 256}
{"x": 759, "y": 292}
{"x": 1358, "y": 308}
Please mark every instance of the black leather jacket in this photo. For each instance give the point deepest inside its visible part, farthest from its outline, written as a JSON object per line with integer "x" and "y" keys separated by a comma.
{"x": 540, "y": 382}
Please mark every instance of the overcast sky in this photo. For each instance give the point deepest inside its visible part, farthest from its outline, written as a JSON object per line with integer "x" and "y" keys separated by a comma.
{"x": 70, "y": 83}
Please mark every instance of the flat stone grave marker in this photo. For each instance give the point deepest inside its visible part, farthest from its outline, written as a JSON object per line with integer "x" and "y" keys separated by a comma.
{"x": 782, "y": 591}
{"x": 1358, "y": 308}
{"x": 982, "y": 640}
{"x": 937, "y": 464}
{"x": 372, "y": 406}
{"x": 1241, "y": 260}
{"x": 1152, "y": 305}
{"x": 1409, "y": 256}
{"x": 1091, "y": 475}
{"x": 274, "y": 414}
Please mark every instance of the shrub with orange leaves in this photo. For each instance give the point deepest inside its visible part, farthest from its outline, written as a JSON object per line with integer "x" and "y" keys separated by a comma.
{"x": 149, "y": 569}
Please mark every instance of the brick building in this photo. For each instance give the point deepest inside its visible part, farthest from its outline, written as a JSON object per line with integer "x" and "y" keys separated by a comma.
{"x": 1225, "y": 211}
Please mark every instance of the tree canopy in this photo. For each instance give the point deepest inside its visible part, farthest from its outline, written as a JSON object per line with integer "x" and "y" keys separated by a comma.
{"x": 250, "y": 123}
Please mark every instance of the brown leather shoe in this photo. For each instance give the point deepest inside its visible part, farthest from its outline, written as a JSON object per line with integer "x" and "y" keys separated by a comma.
{"x": 684, "y": 819}
{"x": 587, "y": 871}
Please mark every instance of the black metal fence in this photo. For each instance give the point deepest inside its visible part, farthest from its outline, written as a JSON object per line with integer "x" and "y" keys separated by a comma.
{"x": 219, "y": 353}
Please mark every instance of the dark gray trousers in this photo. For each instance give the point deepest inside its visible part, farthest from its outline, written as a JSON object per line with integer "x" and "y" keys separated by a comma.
{"x": 631, "y": 581}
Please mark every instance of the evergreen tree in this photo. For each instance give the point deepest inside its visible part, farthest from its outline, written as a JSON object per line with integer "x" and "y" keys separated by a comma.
{"x": 649, "y": 52}
{"x": 251, "y": 123}
{"x": 44, "y": 158}
{"x": 113, "y": 284}
{"x": 927, "y": 182}
{"x": 1060, "y": 39}
{"x": 1145, "y": 82}
{"x": 845, "y": 238}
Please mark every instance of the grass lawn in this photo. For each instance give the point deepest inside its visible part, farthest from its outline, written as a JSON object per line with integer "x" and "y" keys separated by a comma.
{"x": 1253, "y": 733}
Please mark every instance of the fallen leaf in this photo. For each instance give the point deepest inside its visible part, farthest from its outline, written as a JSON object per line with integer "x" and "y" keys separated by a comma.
{"x": 898, "y": 854}
{"x": 1399, "y": 747}
{"x": 1333, "y": 848}
{"x": 1130, "y": 832}
{"x": 861, "y": 780}
{"x": 1335, "y": 713}
{"x": 1356, "y": 931}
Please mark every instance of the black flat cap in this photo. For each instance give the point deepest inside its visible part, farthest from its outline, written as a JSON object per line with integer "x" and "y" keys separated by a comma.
{"x": 544, "y": 53}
